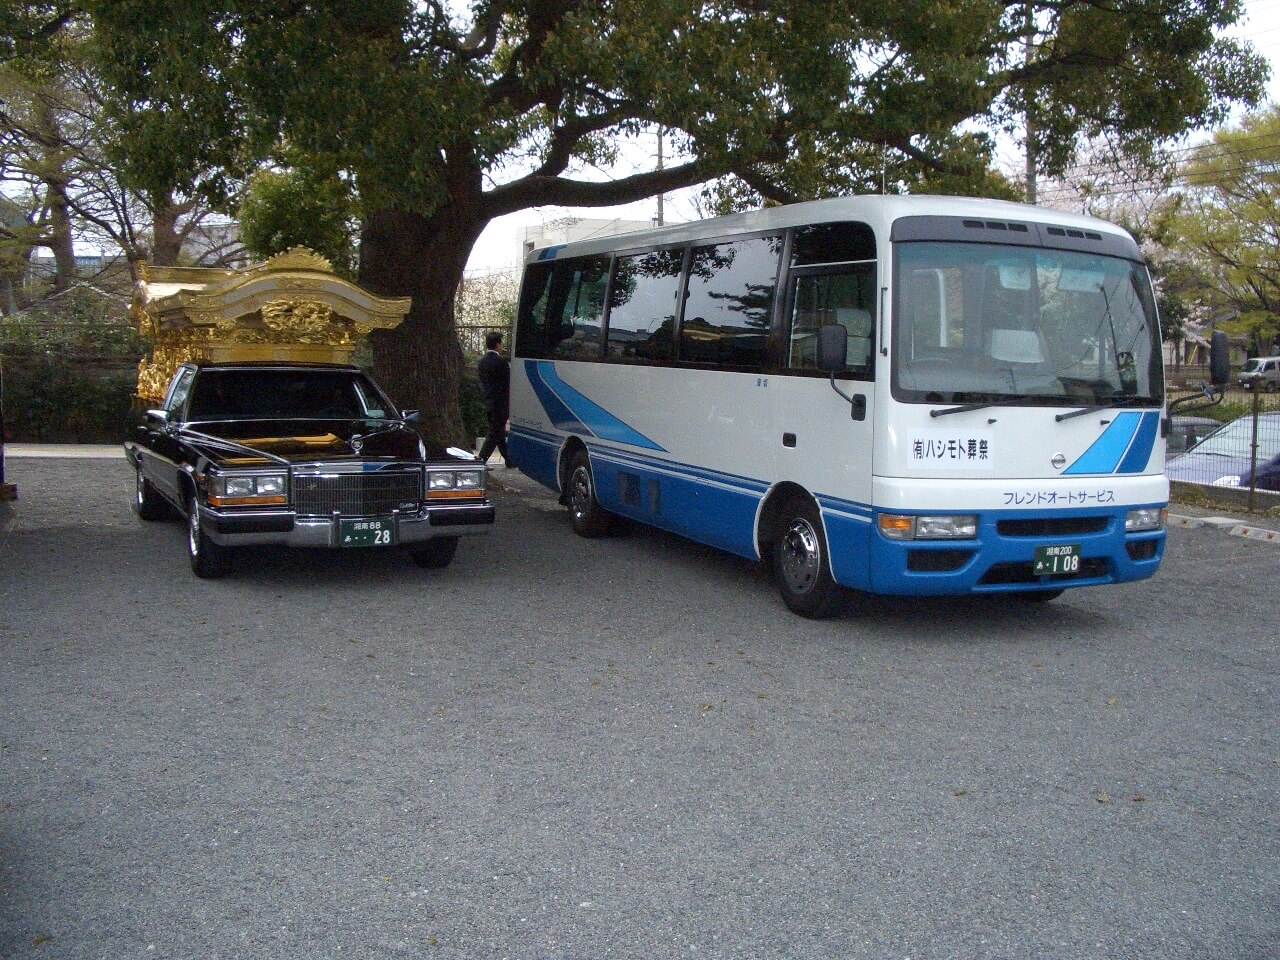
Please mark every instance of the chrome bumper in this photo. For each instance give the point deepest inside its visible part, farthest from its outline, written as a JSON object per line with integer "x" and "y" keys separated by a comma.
{"x": 232, "y": 528}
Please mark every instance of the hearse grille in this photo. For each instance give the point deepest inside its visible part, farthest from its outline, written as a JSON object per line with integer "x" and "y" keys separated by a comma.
{"x": 356, "y": 494}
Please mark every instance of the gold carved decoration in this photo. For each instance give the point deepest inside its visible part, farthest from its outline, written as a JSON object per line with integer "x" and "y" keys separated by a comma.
{"x": 155, "y": 375}
{"x": 293, "y": 307}
{"x": 305, "y": 320}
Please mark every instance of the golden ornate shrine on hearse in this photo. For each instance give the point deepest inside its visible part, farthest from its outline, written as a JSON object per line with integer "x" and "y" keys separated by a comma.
{"x": 291, "y": 308}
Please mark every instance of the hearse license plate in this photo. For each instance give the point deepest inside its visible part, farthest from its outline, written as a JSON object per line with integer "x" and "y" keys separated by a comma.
{"x": 364, "y": 533}
{"x": 1057, "y": 561}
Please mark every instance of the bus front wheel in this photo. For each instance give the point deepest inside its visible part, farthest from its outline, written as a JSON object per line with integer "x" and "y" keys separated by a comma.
{"x": 589, "y": 518}
{"x": 800, "y": 563}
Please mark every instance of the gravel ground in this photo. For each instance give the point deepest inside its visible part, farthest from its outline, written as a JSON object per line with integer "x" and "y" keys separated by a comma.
{"x": 561, "y": 748}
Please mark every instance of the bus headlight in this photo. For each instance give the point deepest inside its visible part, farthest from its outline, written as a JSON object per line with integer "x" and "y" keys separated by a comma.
{"x": 932, "y": 527}
{"x": 1150, "y": 518}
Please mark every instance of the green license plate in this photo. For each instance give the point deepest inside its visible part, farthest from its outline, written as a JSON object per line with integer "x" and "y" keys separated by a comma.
{"x": 364, "y": 533}
{"x": 1057, "y": 561}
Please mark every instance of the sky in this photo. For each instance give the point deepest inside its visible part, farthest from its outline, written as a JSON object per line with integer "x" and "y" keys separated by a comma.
{"x": 499, "y": 246}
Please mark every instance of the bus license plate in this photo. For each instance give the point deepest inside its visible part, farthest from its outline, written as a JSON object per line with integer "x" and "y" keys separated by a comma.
{"x": 1057, "y": 561}
{"x": 364, "y": 533}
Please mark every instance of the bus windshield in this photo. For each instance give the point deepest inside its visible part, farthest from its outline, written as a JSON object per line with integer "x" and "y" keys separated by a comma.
{"x": 990, "y": 323}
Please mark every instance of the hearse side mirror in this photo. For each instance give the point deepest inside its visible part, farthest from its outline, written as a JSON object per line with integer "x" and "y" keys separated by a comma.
{"x": 1219, "y": 359}
{"x": 411, "y": 416}
{"x": 833, "y": 348}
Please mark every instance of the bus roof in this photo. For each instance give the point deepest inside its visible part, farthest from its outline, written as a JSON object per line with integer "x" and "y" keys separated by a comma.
{"x": 878, "y": 211}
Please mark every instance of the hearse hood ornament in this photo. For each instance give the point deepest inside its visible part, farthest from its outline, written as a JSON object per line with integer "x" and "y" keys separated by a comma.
{"x": 357, "y": 443}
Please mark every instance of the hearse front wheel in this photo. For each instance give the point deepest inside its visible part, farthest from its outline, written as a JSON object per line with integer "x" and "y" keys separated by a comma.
{"x": 801, "y": 565}
{"x": 209, "y": 560}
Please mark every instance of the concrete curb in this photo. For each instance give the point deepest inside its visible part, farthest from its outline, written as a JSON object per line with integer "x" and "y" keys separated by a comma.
{"x": 65, "y": 451}
{"x": 1229, "y": 525}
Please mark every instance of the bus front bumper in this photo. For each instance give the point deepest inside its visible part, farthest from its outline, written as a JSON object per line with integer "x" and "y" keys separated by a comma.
{"x": 1001, "y": 559}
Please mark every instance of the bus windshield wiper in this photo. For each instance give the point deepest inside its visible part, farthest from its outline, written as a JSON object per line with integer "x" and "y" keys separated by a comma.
{"x": 1118, "y": 400}
{"x": 963, "y": 408}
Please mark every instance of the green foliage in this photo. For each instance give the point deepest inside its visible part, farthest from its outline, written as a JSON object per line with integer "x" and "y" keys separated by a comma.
{"x": 1228, "y": 223}
{"x": 800, "y": 96}
{"x": 475, "y": 422}
{"x": 300, "y": 207}
{"x": 70, "y": 371}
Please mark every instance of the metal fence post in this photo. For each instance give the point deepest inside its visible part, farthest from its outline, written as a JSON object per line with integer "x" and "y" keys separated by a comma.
{"x": 7, "y": 490}
{"x": 1253, "y": 447}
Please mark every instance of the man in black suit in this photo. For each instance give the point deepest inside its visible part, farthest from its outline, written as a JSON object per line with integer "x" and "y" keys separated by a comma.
{"x": 495, "y": 383}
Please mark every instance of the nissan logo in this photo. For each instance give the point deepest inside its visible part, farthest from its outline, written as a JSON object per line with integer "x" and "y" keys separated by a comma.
{"x": 1059, "y": 461}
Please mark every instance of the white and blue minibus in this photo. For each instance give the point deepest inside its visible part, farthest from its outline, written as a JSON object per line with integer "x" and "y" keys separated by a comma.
{"x": 896, "y": 395}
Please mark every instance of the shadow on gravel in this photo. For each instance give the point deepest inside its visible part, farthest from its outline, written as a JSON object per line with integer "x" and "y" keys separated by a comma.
{"x": 937, "y": 619}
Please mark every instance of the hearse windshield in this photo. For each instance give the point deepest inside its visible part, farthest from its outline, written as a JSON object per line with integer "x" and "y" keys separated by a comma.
{"x": 994, "y": 323}
{"x": 275, "y": 394}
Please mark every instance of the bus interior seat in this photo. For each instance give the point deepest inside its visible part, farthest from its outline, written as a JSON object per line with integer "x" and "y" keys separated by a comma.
{"x": 1015, "y": 346}
{"x": 857, "y": 325}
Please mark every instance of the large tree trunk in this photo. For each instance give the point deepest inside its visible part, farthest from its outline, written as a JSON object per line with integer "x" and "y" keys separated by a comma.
{"x": 60, "y": 238}
{"x": 420, "y": 362}
{"x": 166, "y": 242}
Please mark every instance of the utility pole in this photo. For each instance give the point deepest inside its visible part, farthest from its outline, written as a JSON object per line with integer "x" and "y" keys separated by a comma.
{"x": 661, "y": 196}
{"x": 1030, "y": 37}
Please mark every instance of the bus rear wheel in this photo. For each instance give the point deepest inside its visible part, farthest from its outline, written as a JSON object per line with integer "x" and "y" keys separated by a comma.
{"x": 800, "y": 562}
{"x": 589, "y": 518}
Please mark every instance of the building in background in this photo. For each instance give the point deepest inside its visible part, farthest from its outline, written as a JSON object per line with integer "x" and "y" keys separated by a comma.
{"x": 572, "y": 229}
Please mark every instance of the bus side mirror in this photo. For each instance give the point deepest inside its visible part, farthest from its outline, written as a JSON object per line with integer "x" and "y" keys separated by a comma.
{"x": 833, "y": 348}
{"x": 1219, "y": 359}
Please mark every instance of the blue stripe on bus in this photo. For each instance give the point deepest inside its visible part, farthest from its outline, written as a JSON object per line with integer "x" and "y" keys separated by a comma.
{"x": 643, "y": 462}
{"x": 1104, "y": 456}
{"x": 561, "y": 416}
{"x": 598, "y": 420}
{"x": 537, "y": 434}
{"x": 1135, "y": 461}
{"x": 849, "y": 508}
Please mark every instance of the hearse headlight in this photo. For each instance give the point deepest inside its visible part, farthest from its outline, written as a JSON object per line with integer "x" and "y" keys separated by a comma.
{"x": 933, "y": 527}
{"x": 262, "y": 489}
{"x": 1150, "y": 518}
{"x": 455, "y": 484}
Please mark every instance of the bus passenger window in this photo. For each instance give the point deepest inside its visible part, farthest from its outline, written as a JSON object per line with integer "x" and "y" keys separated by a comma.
{"x": 531, "y": 327}
{"x": 562, "y": 304}
{"x": 576, "y": 308}
{"x": 846, "y": 297}
{"x": 729, "y": 306}
{"x": 642, "y": 307}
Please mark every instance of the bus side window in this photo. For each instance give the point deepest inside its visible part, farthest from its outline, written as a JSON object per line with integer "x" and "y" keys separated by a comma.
{"x": 531, "y": 328}
{"x": 642, "y": 306}
{"x": 845, "y": 297}
{"x": 575, "y": 310}
{"x": 730, "y": 302}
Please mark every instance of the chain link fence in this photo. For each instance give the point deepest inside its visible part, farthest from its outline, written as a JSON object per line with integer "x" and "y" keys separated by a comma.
{"x": 1242, "y": 455}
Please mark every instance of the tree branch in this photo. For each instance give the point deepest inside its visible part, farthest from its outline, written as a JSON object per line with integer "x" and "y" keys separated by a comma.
{"x": 536, "y": 191}
{"x": 543, "y": 19}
